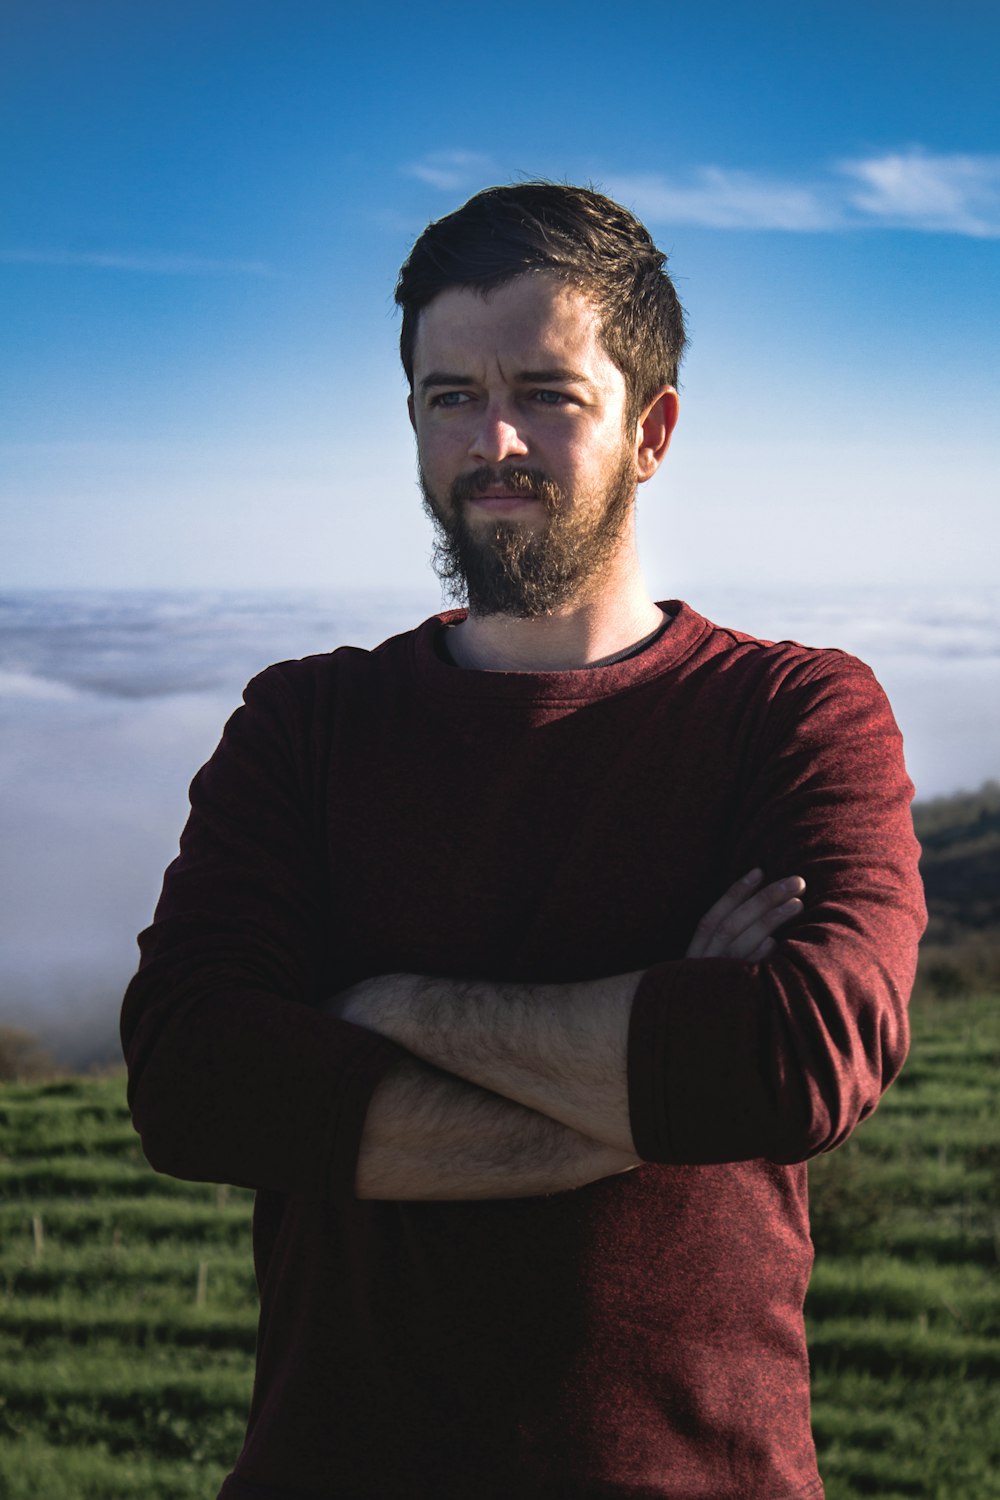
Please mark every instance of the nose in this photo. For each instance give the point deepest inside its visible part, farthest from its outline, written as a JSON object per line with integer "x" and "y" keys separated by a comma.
{"x": 496, "y": 437}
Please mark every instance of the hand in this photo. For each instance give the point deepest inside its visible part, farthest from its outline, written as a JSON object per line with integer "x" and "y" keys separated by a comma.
{"x": 359, "y": 1002}
{"x": 741, "y": 922}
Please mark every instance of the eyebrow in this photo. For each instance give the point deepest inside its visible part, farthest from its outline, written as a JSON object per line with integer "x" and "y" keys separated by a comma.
{"x": 441, "y": 377}
{"x": 558, "y": 376}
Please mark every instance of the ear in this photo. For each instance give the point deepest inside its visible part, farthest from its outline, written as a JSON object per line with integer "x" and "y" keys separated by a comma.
{"x": 654, "y": 431}
{"x": 409, "y": 408}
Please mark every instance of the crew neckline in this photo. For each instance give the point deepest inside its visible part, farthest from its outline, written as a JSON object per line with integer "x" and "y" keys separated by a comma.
{"x": 671, "y": 644}
{"x": 635, "y": 649}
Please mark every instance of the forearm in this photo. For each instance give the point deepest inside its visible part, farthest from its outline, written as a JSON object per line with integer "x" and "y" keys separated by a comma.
{"x": 557, "y": 1049}
{"x": 428, "y": 1135}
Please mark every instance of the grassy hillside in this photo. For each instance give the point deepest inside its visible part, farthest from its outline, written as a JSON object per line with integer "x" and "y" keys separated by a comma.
{"x": 127, "y": 1306}
{"x": 127, "y": 1318}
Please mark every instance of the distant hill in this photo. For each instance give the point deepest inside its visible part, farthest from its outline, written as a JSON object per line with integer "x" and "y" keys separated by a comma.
{"x": 960, "y": 865}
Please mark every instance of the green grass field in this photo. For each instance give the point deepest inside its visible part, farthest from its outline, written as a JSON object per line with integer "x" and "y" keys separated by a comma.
{"x": 127, "y": 1312}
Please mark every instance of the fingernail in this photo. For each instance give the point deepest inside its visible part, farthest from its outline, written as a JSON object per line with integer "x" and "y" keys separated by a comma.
{"x": 793, "y": 883}
{"x": 753, "y": 877}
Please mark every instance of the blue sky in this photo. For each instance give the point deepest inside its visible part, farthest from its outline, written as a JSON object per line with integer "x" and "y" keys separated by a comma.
{"x": 205, "y": 206}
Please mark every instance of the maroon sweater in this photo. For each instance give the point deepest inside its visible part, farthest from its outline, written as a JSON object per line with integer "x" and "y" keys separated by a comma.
{"x": 375, "y": 812}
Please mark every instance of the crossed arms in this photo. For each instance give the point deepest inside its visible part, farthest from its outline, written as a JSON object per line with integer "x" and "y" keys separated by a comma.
{"x": 464, "y": 1091}
{"x": 516, "y": 1090}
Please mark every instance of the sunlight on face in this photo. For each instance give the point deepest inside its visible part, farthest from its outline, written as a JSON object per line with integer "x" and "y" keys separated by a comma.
{"x": 524, "y": 463}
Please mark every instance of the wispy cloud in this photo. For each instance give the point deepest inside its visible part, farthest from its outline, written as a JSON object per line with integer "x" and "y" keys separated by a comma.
{"x": 917, "y": 190}
{"x": 719, "y": 199}
{"x": 152, "y": 264}
{"x": 910, "y": 189}
{"x": 451, "y": 171}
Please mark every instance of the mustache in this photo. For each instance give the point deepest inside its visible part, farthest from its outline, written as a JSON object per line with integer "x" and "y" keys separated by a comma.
{"x": 531, "y": 483}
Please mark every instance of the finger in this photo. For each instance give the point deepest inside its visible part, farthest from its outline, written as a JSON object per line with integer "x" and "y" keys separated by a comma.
{"x": 742, "y": 927}
{"x": 762, "y": 951}
{"x": 736, "y": 895}
{"x": 743, "y": 943}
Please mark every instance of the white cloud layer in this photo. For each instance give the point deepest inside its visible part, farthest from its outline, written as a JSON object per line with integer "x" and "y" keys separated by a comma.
{"x": 912, "y": 189}
{"x": 154, "y": 264}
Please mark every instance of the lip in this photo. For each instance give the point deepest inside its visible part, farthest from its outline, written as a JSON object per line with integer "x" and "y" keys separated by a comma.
{"x": 502, "y": 498}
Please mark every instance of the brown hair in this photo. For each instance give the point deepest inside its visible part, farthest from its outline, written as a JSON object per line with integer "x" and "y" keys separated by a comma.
{"x": 587, "y": 240}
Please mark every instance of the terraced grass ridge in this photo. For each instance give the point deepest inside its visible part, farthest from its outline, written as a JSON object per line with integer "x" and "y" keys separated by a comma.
{"x": 127, "y": 1304}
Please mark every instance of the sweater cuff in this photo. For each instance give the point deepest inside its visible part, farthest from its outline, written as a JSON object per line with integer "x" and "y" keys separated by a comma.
{"x": 647, "y": 1051}
{"x": 373, "y": 1056}
{"x": 699, "y": 1064}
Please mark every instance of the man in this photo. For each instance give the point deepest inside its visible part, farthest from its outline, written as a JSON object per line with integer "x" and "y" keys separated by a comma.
{"x": 485, "y": 959}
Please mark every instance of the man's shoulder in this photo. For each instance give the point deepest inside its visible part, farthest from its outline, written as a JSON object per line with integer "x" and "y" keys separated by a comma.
{"x": 315, "y": 682}
{"x": 776, "y": 687}
{"x": 396, "y": 652}
{"x": 782, "y": 662}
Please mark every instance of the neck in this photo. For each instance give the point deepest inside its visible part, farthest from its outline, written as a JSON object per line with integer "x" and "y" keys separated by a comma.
{"x": 606, "y": 618}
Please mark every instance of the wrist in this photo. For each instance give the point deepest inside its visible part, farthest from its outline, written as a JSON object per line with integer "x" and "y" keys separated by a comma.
{"x": 375, "y": 1003}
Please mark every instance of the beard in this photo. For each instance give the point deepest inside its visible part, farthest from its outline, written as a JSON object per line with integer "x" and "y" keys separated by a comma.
{"x": 509, "y": 569}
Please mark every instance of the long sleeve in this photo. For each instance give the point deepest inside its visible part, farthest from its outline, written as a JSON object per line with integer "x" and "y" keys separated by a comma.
{"x": 233, "y": 1074}
{"x": 730, "y": 1061}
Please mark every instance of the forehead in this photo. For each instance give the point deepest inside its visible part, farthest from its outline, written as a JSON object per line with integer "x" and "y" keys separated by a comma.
{"x": 534, "y": 322}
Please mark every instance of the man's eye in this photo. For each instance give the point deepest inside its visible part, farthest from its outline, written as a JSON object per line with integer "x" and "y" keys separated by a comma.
{"x": 450, "y": 398}
{"x": 547, "y": 397}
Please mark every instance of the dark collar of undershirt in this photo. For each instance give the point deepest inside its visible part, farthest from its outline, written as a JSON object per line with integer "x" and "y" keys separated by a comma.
{"x": 441, "y": 644}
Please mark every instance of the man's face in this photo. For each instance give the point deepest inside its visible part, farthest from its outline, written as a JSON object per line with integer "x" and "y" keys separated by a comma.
{"x": 525, "y": 465}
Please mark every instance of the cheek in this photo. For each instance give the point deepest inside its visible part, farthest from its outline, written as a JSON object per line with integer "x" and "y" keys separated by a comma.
{"x": 439, "y": 447}
{"x": 585, "y": 460}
